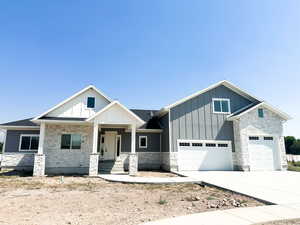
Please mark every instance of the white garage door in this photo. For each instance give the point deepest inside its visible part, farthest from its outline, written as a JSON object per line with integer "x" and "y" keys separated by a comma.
{"x": 204, "y": 155}
{"x": 262, "y": 153}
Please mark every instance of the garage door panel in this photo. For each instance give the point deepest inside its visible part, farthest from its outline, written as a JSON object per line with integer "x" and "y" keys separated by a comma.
{"x": 262, "y": 153}
{"x": 204, "y": 157}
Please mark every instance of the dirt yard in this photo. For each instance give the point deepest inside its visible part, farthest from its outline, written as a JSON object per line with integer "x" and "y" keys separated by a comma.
{"x": 283, "y": 222}
{"x": 92, "y": 201}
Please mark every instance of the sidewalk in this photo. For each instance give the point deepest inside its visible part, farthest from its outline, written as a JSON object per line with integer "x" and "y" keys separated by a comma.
{"x": 240, "y": 216}
{"x": 123, "y": 178}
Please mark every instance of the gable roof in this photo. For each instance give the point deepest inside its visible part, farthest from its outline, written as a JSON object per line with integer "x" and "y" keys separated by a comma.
{"x": 122, "y": 106}
{"x": 21, "y": 123}
{"x": 224, "y": 82}
{"x": 242, "y": 112}
{"x": 72, "y": 97}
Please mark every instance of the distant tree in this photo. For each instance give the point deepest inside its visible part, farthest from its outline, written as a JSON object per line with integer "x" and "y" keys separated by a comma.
{"x": 1, "y": 147}
{"x": 295, "y": 148}
{"x": 289, "y": 141}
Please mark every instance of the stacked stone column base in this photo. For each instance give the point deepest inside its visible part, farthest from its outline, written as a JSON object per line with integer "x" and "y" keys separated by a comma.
{"x": 94, "y": 164}
{"x": 133, "y": 164}
{"x": 39, "y": 165}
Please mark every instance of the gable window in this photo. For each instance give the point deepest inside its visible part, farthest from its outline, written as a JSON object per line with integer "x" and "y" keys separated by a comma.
{"x": 221, "y": 105}
{"x": 70, "y": 141}
{"x": 91, "y": 102}
{"x": 143, "y": 142}
{"x": 261, "y": 113}
{"x": 29, "y": 142}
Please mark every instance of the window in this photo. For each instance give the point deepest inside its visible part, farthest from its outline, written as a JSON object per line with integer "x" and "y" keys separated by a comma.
{"x": 261, "y": 113}
{"x": 221, "y": 105}
{"x": 71, "y": 141}
{"x": 223, "y": 145}
{"x": 252, "y": 138}
{"x": 197, "y": 144}
{"x": 210, "y": 145}
{"x": 29, "y": 142}
{"x": 184, "y": 144}
{"x": 143, "y": 142}
{"x": 268, "y": 138}
{"x": 91, "y": 102}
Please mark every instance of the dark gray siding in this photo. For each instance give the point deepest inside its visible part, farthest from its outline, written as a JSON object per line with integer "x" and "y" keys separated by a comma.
{"x": 164, "y": 122}
{"x": 152, "y": 138}
{"x": 194, "y": 119}
{"x": 13, "y": 139}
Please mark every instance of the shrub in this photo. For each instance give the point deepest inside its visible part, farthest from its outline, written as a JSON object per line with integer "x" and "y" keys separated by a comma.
{"x": 295, "y": 148}
{"x": 162, "y": 201}
{"x": 289, "y": 141}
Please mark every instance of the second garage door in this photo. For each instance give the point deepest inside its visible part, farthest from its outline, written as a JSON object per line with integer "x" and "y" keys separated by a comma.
{"x": 263, "y": 152}
{"x": 204, "y": 155}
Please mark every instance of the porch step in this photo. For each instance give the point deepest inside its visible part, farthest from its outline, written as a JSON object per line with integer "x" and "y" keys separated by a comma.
{"x": 111, "y": 166}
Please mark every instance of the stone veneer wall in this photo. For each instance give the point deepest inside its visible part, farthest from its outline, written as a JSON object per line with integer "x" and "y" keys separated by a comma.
{"x": 19, "y": 161}
{"x": 67, "y": 161}
{"x": 250, "y": 124}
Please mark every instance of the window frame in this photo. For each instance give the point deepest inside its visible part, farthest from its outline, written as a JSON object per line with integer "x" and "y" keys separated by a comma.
{"x": 261, "y": 113}
{"x": 140, "y": 138}
{"x": 28, "y": 135}
{"x": 87, "y": 102}
{"x": 71, "y": 134}
{"x": 221, "y": 99}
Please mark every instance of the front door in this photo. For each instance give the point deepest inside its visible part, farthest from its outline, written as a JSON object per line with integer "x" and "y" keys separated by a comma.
{"x": 110, "y": 145}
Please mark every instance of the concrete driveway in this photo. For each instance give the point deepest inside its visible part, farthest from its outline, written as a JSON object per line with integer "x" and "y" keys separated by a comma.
{"x": 275, "y": 187}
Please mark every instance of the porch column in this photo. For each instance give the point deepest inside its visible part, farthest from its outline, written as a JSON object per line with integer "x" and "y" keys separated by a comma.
{"x": 39, "y": 158}
{"x": 94, "y": 157}
{"x": 133, "y": 158}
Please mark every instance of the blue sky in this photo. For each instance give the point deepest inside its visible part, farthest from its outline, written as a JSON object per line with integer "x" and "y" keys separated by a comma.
{"x": 147, "y": 54}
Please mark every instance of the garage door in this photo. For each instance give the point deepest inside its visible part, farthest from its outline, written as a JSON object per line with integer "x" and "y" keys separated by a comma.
{"x": 204, "y": 155}
{"x": 262, "y": 153}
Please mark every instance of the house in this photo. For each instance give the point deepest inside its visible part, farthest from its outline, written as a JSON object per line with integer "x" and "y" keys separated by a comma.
{"x": 219, "y": 128}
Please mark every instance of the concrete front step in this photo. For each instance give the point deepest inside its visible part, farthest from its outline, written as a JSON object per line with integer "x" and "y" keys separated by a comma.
{"x": 111, "y": 166}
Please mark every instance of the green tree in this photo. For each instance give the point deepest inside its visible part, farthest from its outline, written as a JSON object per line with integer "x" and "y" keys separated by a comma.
{"x": 289, "y": 141}
{"x": 295, "y": 148}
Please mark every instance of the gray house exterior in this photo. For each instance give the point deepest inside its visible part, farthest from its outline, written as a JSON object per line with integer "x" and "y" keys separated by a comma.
{"x": 218, "y": 128}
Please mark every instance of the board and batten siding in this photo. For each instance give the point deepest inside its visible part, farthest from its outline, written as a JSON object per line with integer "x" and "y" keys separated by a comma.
{"x": 164, "y": 121}
{"x": 12, "y": 141}
{"x": 195, "y": 120}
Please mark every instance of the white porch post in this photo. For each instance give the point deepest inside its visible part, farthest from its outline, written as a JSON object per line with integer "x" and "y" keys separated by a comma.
{"x": 133, "y": 158}
{"x": 39, "y": 158}
{"x": 94, "y": 157}
{"x": 133, "y": 139}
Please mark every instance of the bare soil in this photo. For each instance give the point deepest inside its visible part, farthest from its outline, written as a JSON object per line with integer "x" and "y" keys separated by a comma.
{"x": 92, "y": 201}
{"x": 283, "y": 222}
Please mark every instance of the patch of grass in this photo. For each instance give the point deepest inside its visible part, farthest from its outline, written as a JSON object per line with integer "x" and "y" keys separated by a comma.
{"x": 294, "y": 166}
{"x": 162, "y": 201}
{"x": 209, "y": 198}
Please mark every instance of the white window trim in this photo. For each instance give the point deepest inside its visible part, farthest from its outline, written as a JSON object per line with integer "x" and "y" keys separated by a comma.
{"x": 79, "y": 149}
{"x": 140, "y": 138}
{"x": 87, "y": 100}
{"x": 221, "y": 99}
{"x": 20, "y": 142}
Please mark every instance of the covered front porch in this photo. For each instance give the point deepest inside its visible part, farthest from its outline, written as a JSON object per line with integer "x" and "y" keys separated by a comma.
{"x": 98, "y": 143}
{"x": 112, "y": 151}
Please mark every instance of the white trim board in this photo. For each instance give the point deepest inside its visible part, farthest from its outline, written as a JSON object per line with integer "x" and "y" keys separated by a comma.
{"x": 20, "y": 127}
{"x": 70, "y": 98}
{"x": 122, "y": 106}
{"x": 264, "y": 105}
